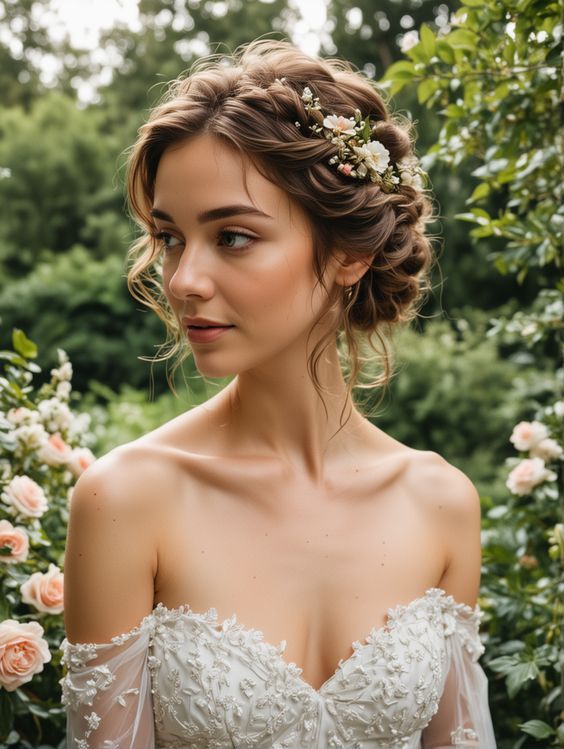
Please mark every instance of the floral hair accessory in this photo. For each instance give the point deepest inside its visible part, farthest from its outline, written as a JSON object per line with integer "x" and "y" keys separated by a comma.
{"x": 358, "y": 154}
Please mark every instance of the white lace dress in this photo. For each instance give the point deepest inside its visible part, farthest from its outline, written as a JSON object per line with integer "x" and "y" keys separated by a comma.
{"x": 182, "y": 679}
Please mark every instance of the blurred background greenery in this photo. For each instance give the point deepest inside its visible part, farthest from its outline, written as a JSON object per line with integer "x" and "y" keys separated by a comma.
{"x": 64, "y": 230}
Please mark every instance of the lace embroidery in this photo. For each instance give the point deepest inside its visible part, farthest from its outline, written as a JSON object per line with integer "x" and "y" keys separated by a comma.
{"x": 461, "y": 735}
{"x": 219, "y": 684}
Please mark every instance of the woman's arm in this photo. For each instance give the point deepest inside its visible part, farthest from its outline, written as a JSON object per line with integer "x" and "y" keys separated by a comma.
{"x": 110, "y": 555}
{"x": 110, "y": 561}
{"x": 463, "y": 718}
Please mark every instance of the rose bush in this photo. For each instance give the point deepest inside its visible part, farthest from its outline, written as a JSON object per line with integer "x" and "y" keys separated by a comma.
{"x": 44, "y": 447}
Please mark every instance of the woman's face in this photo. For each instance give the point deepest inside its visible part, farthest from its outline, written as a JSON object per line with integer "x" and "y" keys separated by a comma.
{"x": 238, "y": 258}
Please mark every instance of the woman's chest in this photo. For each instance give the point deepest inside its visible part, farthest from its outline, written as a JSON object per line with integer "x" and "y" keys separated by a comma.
{"x": 318, "y": 573}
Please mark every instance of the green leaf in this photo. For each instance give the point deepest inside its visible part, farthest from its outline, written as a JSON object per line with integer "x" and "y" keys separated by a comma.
{"x": 400, "y": 71}
{"x": 473, "y": 3}
{"x": 426, "y": 89}
{"x": 454, "y": 110}
{"x": 518, "y": 675}
{"x": 481, "y": 191}
{"x": 462, "y": 39}
{"x": 427, "y": 40}
{"x": 477, "y": 215}
{"x": 418, "y": 54}
{"x": 23, "y": 345}
{"x": 537, "y": 728}
{"x": 6, "y": 713}
{"x": 444, "y": 51}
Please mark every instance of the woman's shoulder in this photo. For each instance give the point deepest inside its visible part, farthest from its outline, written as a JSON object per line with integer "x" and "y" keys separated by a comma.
{"x": 128, "y": 475}
{"x": 436, "y": 477}
{"x": 442, "y": 487}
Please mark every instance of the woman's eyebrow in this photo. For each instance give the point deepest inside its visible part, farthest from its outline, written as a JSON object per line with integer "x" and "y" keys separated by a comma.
{"x": 215, "y": 213}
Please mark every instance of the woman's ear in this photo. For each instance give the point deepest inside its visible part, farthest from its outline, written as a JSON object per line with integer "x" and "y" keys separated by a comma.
{"x": 349, "y": 270}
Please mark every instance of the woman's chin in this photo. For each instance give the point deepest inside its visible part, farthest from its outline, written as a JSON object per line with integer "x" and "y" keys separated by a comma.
{"x": 216, "y": 372}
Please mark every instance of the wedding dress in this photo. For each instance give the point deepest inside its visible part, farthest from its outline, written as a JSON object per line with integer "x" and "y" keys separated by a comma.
{"x": 182, "y": 679}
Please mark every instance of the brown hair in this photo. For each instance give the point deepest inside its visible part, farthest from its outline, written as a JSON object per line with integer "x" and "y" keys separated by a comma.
{"x": 216, "y": 96}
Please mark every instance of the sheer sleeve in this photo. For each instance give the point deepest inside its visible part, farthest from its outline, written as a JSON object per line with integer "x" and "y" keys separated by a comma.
{"x": 107, "y": 693}
{"x": 463, "y": 717}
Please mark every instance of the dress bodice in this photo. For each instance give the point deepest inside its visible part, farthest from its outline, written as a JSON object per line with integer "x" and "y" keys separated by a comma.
{"x": 186, "y": 680}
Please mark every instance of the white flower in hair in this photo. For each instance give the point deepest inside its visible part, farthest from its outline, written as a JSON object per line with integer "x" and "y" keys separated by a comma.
{"x": 374, "y": 154}
{"x": 357, "y": 154}
{"x": 342, "y": 124}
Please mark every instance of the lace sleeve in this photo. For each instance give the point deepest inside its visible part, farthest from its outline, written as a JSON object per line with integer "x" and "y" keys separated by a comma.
{"x": 463, "y": 717}
{"x": 107, "y": 693}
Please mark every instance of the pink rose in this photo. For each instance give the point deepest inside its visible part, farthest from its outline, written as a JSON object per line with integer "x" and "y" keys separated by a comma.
{"x": 23, "y": 652}
{"x": 25, "y": 497}
{"x": 55, "y": 451}
{"x": 80, "y": 459}
{"x": 44, "y": 590}
{"x": 527, "y": 434}
{"x": 528, "y": 474}
{"x": 16, "y": 539}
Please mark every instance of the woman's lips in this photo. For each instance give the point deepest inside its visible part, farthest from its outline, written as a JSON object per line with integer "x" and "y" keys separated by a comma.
{"x": 206, "y": 335}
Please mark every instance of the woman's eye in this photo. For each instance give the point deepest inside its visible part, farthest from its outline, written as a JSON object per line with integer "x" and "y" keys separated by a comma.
{"x": 232, "y": 239}
{"x": 167, "y": 240}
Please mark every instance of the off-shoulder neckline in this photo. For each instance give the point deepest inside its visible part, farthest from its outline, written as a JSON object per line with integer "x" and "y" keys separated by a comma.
{"x": 394, "y": 616}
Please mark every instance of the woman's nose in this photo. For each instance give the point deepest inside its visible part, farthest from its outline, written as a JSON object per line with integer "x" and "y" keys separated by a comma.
{"x": 193, "y": 273}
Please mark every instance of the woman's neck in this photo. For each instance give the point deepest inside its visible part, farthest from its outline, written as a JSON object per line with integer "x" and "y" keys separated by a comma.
{"x": 276, "y": 410}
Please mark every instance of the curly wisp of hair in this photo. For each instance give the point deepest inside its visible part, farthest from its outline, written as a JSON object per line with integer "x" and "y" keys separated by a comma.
{"x": 261, "y": 85}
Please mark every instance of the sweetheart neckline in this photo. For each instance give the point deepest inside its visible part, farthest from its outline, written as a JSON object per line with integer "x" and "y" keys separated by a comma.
{"x": 393, "y": 614}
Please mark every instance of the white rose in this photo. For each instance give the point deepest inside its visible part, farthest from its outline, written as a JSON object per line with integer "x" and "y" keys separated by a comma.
{"x": 21, "y": 415}
{"x": 64, "y": 372}
{"x": 375, "y": 154}
{"x": 527, "y": 434}
{"x": 528, "y": 474}
{"x": 56, "y": 415}
{"x": 80, "y": 425}
{"x": 63, "y": 389}
{"x": 31, "y": 436}
{"x": 547, "y": 449}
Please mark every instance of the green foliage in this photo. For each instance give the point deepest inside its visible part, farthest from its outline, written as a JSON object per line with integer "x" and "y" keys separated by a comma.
{"x": 83, "y": 305}
{"x": 459, "y": 393}
{"x": 58, "y": 185}
{"x": 496, "y": 80}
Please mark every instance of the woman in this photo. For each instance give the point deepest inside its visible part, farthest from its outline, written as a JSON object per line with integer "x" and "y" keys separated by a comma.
{"x": 282, "y": 208}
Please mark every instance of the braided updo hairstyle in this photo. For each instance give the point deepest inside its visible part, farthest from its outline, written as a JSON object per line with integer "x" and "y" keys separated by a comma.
{"x": 261, "y": 85}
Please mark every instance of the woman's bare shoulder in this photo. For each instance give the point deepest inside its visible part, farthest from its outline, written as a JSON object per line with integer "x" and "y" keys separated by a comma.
{"x": 440, "y": 483}
{"x": 131, "y": 474}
